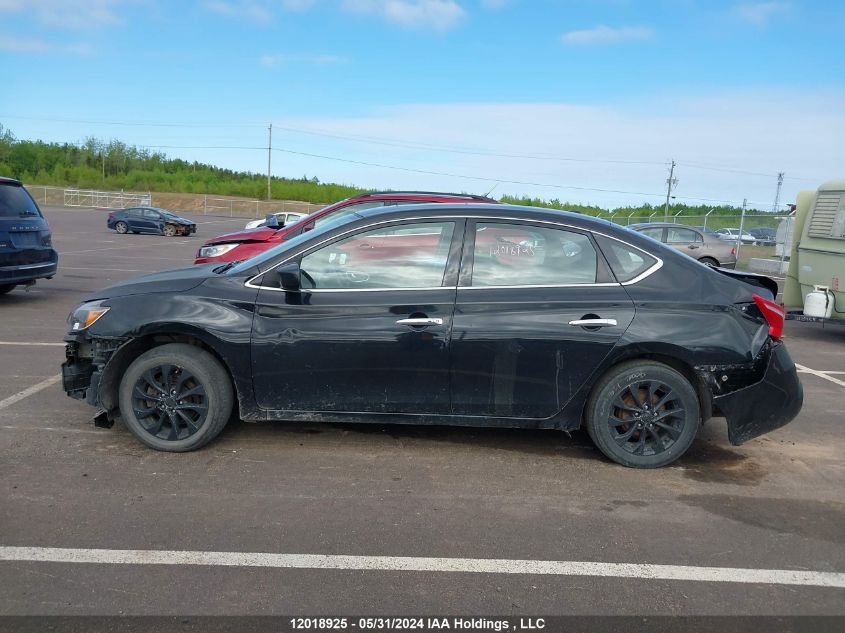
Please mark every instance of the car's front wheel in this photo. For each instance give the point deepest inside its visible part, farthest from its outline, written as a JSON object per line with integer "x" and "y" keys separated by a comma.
{"x": 169, "y": 230}
{"x": 176, "y": 397}
{"x": 643, "y": 414}
{"x": 121, "y": 227}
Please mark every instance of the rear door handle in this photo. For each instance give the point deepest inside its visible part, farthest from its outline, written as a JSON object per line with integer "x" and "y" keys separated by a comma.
{"x": 420, "y": 322}
{"x": 593, "y": 322}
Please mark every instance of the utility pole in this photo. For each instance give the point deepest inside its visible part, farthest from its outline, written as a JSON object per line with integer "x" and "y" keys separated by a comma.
{"x": 777, "y": 192}
{"x": 269, "y": 152}
{"x": 671, "y": 182}
{"x": 741, "y": 228}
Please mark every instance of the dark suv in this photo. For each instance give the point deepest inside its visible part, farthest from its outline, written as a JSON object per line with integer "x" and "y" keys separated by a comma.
{"x": 26, "y": 247}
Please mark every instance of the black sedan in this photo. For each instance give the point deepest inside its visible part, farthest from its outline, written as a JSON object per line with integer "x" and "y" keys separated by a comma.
{"x": 150, "y": 220}
{"x": 437, "y": 314}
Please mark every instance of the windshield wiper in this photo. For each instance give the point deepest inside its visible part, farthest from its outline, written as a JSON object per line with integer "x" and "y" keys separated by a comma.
{"x": 227, "y": 266}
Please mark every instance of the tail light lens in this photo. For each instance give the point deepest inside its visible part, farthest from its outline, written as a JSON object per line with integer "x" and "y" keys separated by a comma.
{"x": 774, "y": 315}
{"x": 733, "y": 251}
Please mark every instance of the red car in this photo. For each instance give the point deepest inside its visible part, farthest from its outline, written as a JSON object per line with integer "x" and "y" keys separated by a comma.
{"x": 250, "y": 242}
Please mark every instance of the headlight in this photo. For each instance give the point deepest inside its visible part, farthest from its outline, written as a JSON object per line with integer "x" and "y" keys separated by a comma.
{"x": 86, "y": 315}
{"x": 216, "y": 250}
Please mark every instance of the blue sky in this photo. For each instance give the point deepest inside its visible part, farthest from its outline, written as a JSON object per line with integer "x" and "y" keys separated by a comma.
{"x": 616, "y": 87}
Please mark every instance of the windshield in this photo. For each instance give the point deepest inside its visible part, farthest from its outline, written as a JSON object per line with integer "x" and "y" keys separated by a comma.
{"x": 262, "y": 260}
{"x": 15, "y": 202}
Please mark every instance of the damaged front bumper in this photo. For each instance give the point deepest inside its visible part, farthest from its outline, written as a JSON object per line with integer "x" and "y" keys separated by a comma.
{"x": 85, "y": 359}
{"x": 767, "y": 403}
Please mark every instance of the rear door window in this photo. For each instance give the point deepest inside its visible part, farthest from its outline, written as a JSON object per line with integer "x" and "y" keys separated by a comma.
{"x": 15, "y": 202}
{"x": 681, "y": 236}
{"x": 527, "y": 255}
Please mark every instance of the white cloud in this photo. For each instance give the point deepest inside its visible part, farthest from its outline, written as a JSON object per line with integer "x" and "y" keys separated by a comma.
{"x": 759, "y": 13}
{"x": 728, "y": 130}
{"x": 283, "y": 59}
{"x": 440, "y": 15}
{"x": 37, "y": 46}
{"x": 607, "y": 35}
{"x": 240, "y": 8}
{"x": 74, "y": 14}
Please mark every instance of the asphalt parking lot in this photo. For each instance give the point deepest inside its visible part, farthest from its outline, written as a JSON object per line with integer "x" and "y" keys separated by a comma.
{"x": 387, "y": 493}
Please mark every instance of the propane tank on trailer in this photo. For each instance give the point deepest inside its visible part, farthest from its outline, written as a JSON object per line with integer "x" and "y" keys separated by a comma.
{"x": 819, "y": 302}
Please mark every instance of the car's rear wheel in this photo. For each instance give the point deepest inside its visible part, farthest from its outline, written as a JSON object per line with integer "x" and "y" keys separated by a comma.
{"x": 121, "y": 227}
{"x": 709, "y": 261}
{"x": 169, "y": 230}
{"x": 643, "y": 414}
{"x": 176, "y": 397}
{"x": 4, "y": 288}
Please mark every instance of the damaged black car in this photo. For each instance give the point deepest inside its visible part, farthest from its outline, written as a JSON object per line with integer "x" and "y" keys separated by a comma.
{"x": 487, "y": 315}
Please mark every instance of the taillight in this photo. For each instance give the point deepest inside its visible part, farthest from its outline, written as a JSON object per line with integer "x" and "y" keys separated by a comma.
{"x": 733, "y": 251}
{"x": 774, "y": 315}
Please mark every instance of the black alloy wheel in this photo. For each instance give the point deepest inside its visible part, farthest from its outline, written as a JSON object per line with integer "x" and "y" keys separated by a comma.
{"x": 643, "y": 414}
{"x": 176, "y": 397}
{"x": 169, "y": 402}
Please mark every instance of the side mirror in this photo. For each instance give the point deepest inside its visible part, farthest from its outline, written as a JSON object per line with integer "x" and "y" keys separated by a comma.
{"x": 289, "y": 276}
{"x": 272, "y": 221}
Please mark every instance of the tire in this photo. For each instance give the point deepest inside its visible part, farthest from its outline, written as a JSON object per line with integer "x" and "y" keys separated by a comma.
{"x": 121, "y": 227}
{"x": 169, "y": 230}
{"x": 5, "y": 288}
{"x": 709, "y": 261}
{"x": 159, "y": 372}
{"x": 619, "y": 426}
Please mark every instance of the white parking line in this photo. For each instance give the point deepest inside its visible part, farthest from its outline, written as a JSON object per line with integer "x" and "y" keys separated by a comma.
{"x": 52, "y": 429}
{"x": 419, "y": 564}
{"x": 30, "y": 343}
{"x": 820, "y": 374}
{"x": 6, "y": 402}
{"x": 103, "y": 269}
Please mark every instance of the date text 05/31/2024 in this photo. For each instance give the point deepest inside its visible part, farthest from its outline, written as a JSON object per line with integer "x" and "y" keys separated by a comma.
{"x": 416, "y": 624}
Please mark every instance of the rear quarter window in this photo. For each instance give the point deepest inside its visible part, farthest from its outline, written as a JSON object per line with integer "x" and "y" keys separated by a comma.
{"x": 625, "y": 261}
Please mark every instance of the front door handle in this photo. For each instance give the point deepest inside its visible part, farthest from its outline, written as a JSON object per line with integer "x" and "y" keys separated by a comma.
{"x": 593, "y": 322}
{"x": 420, "y": 322}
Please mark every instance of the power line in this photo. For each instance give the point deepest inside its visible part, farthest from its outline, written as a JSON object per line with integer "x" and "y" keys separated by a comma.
{"x": 487, "y": 179}
{"x": 457, "y": 150}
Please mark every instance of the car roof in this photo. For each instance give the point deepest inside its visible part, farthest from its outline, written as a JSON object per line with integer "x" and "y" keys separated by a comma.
{"x": 498, "y": 210}
{"x": 411, "y": 195}
{"x": 10, "y": 181}
{"x": 662, "y": 224}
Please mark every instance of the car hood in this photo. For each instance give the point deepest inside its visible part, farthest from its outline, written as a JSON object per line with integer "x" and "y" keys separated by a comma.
{"x": 260, "y": 234}
{"x": 179, "y": 221}
{"x": 177, "y": 280}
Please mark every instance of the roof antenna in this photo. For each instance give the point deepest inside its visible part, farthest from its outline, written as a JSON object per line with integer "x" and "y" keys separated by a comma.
{"x": 487, "y": 195}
